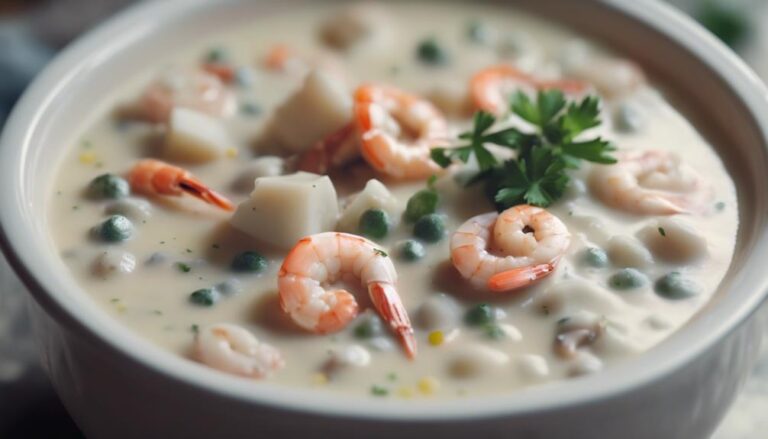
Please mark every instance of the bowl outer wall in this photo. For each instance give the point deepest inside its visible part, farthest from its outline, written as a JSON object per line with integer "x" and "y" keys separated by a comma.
{"x": 24, "y": 238}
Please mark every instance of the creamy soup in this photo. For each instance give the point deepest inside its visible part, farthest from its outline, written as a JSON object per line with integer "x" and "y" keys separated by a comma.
{"x": 637, "y": 231}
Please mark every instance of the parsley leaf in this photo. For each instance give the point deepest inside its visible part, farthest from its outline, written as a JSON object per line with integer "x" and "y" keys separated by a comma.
{"x": 538, "y": 174}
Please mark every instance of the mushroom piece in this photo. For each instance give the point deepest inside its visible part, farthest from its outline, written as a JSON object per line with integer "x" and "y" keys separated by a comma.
{"x": 576, "y": 333}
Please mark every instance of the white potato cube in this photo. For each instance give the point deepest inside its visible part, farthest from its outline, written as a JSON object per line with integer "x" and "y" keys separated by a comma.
{"x": 626, "y": 251}
{"x": 374, "y": 196}
{"x": 283, "y": 209}
{"x": 357, "y": 24}
{"x": 195, "y": 137}
{"x": 265, "y": 166}
{"x": 320, "y": 107}
{"x": 675, "y": 240}
{"x": 532, "y": 367}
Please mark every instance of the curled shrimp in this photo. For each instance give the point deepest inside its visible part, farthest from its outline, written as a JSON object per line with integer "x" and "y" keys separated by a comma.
{"x": 507, "y": 251}
{"x": 323, "y": 259}
{"x": 154, "y": 177}
{"x": 193, "y": 89}
{"x": 232, "y": 349}
{"x": 398, "y": 130}
{"x": 491, "y": 87}
{"x": 649, "y": 183}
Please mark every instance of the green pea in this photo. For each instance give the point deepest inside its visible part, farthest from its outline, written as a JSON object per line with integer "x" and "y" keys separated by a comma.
{"x": 369, "y": 327}
{"x": 430, "y": 52}
{"x": 430, "y": 228}
{"x": 411, "y": 250}
{"x": 479, "y": 315}
{"x": 116, "y": 228}
{"x": 421, "y": 203}
{"x": 627, "y": 279}
{"x": 675, "y": 286}
{"x": 628, "y": 119}
{"x": 204, "y": 297}
{"x": 494, "y": 331}
{"x": 217, "y": 55}
{"x": 249, "y": 262}
{"x": 374, "y": 223}
{"x": 109, "y": 186}
{"x": 478, "y": 32}
{"x": 595, "y": 257}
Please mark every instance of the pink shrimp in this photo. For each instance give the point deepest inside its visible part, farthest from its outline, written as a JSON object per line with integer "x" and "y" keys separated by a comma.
{"x": 154, "y": 177}
{"x": 194, "y": 89}
{"x": 490, "y": 88}
{"x": 232, "y": 349}
{"x": 649, "y": 183}
{"x": 511, "y": 250}
{"x": 325, "y": 258}
{"x": 398, "y": 130}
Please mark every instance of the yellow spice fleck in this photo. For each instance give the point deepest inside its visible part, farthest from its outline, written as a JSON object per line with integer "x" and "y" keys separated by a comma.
{"x": 121, "y": 308}
{"x": 232, "y": 152}
{"x": 436, "y": 338}
{"x": 88, "y": 158}
{"x": 319, "y": 379}
{"x": 405, "y": 392}
{"x": 429, "y": 385}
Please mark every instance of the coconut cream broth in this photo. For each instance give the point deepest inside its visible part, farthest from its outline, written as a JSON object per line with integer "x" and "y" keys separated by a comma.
{"x": 184, "y": 245}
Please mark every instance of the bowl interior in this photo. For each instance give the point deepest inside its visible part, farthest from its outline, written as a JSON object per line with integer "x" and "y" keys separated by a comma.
{"x": 712, "y": 86}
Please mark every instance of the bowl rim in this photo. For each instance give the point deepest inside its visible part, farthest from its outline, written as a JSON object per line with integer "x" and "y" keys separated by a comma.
{"x": 16, "y": 146}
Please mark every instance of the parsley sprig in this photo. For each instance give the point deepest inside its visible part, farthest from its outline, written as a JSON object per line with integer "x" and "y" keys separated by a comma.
{"x": 537, "y": 174}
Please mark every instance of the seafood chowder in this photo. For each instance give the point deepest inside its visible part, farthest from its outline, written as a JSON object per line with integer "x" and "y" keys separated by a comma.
{"x": 362, "y": 199}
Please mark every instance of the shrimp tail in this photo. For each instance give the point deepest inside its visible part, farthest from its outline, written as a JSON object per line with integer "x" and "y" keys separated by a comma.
{"x": 391, "y": 309}
{"x": 519, "y": 277}
{"x": 197, "y": 189}
{"x": 320, "y": 158}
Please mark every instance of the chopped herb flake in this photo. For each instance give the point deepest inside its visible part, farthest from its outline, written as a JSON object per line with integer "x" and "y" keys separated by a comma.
{"x": 662, "y": 232}
{"x": 380, "y": 252}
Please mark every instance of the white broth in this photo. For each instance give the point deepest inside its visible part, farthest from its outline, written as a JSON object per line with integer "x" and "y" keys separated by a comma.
{"x": 606, "y": 304}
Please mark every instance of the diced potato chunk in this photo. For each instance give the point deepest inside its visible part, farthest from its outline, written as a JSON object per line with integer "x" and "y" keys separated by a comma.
{"x": 283, "y": 209}
{"x": 374, "y": 196}
{"x": 675, "y": 240}
{"x": 320, "y": 107}
{"x": 195, "y": 137}
{"x": 356, "y": 24}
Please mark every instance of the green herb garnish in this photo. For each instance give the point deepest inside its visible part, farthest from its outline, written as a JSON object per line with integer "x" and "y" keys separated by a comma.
{"x": 662, "y": 232}
{"x": 538, "y": 174}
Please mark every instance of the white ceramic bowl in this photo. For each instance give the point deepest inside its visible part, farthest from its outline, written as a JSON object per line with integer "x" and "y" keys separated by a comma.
{"x": 117, "y": 385}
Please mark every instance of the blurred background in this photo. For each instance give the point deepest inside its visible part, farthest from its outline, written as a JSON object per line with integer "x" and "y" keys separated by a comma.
{"x": 32, "y": 31}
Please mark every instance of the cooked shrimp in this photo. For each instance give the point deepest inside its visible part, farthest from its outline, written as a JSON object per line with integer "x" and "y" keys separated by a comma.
{"x": 649, "y": 183}
{"x": 325, "y": 258}
{"x": 280, "y": 57}
{"x": 491, "y": 87}
{"x": 337, "y": 149}
{"x": 194, "y": 89}
{"x": 153, "y": 177}
{"x": 234, "y": 350}
{"x": 511, "y": 250}
{"x": 398, "y": 130}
